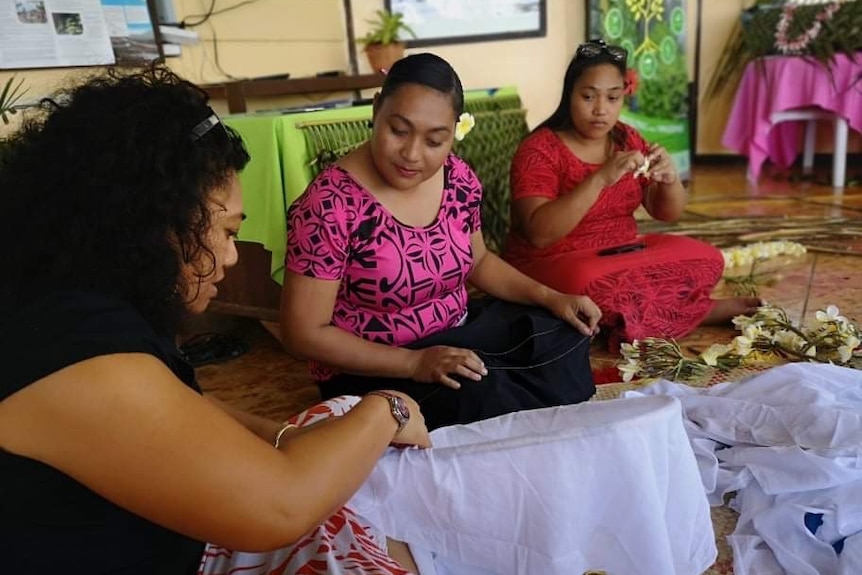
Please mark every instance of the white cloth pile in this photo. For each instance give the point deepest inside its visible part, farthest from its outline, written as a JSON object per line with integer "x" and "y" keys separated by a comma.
{"x": 788, "y": 443}
{"x": 610, "y": 486}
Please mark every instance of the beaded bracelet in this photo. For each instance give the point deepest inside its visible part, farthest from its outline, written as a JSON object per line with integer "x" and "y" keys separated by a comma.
{"x": 281, "y": 431}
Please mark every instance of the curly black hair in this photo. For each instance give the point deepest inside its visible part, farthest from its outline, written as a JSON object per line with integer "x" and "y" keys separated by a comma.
{"x": 106, "y": 190}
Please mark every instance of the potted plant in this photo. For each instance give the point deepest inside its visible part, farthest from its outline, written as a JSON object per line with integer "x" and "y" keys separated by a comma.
{"x": 10, "y": 94}
{"x": 383, "y": 43}
{"x": 9, "y": 97}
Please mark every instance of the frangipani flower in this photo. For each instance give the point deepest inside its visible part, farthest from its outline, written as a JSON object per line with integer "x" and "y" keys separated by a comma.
{"x": 739, "y": 256}
{"x": 629, "y": 369}
{"x": 771, "y": 315}
{"x": 845, "y": 352}
{"x": 830, "y": 315}
{"x": 748, "y": 256}
{"x": 741, "y": 345}
{"x": 630, "y": 350}
{"x": 711, "y": 355}
{"x": 789, "y": 340}
{"x": 465, "y": 123}
{"x": 753, "y": 331}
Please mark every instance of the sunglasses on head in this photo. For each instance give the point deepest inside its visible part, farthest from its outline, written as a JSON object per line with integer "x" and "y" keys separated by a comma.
{"x": 595, "y": 48}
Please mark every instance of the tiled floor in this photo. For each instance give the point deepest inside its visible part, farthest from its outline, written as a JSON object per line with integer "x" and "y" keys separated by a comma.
{"x": 724, "y": 208}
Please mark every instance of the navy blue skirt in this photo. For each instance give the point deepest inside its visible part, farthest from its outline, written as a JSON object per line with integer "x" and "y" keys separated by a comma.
{"x": 533, "y": 359}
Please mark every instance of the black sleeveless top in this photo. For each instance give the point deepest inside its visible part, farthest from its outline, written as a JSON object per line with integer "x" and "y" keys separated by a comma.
{"x": 50, "y": 523}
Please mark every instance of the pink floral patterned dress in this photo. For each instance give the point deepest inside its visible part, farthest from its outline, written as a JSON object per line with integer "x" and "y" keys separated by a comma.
{"x": 398, "y": 283}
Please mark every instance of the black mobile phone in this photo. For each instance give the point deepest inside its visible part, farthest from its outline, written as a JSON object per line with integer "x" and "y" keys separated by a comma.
{"x": 624, "y": 249}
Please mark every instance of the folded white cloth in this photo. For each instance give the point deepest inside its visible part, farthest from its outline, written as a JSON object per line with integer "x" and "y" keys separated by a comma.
{"x": 788, "y": 442}
{"x": 610, "y": 486}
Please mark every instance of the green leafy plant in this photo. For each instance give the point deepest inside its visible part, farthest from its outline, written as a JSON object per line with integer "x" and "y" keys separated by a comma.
{"x": 755, "y": 35}
{"x": 386, "y": 29}
{"x": 9, "y": 97}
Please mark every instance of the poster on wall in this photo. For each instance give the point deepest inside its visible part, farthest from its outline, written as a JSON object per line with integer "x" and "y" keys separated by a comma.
{"x": 59, "y": 33}
{"x": 654, "y": 33}
{"x": 41, "y": 33}
{"x": 436, "y": 22}
{"x": 132, "y": 32}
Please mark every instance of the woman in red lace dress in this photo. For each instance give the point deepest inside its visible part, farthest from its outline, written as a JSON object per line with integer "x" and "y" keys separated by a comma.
{"x": 577, "y": 180}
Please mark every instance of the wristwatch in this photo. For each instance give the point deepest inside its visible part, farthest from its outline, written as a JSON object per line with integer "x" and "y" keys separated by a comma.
{"x": 397, "y": 406}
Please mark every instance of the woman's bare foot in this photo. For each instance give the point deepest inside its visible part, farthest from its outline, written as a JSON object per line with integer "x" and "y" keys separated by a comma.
{"x": 725, "y": 310}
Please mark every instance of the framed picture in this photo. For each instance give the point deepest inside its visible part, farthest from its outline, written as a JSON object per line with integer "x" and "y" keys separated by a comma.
{"x": 438, "y": 22}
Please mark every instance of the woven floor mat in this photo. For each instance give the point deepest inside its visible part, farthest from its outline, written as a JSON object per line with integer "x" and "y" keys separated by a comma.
{"x": 615, "y": 390}
{"x": 723, "y": 518}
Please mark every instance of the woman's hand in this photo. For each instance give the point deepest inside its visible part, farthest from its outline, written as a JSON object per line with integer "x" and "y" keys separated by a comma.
{"x": 435, "y": 364}
{"x": 415, "y": 432}
{"x": 618, "y": 165}
{"x": 578, "y": 310}
{"x": 661, "y": 168}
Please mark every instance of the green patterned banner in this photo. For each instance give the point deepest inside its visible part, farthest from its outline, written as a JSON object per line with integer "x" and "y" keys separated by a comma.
{"x": 654, "y": 33}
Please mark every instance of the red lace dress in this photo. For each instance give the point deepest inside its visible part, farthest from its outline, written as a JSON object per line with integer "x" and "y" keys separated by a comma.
{"x": 661, "y": 291}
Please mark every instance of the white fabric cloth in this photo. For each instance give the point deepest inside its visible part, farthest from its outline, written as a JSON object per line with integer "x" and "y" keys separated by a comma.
{"x": 789, "y": 443}
{"x": 607, "y": 486}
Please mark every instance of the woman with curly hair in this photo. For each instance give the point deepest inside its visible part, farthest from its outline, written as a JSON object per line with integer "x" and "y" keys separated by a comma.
{"x": 121, "y": 206}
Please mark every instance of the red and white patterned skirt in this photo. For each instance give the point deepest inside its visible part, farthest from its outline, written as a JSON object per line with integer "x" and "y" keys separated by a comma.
{"x": 344, "y": 544}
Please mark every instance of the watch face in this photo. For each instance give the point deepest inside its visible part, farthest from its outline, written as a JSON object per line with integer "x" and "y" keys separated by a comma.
{"x": 399, "y": 409}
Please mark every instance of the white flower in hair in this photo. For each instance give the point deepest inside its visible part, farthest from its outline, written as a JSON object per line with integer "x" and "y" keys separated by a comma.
{"x": 465, "y": 123}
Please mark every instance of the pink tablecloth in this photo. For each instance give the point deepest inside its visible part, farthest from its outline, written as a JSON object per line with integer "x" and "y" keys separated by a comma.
{"x": 780, "y": 83}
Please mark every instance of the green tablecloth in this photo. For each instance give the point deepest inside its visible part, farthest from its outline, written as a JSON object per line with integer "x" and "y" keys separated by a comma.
{"x": 280, "y": 168}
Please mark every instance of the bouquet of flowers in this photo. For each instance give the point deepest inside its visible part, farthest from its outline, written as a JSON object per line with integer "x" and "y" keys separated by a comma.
{"x": 749, "y": 256}
{"x": 768, "y": 335}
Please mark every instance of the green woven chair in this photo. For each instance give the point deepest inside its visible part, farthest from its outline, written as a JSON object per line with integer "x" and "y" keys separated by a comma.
{"x": 500, "y": 126}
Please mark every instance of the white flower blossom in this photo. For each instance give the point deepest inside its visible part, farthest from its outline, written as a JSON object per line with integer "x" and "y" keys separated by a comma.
{"x": 711, "y": 355}
{"x": 741, "y": 345}
{"x": 788, "y": 339}
{"x": 769, "y": 314}
{"x": 830, "y": 315}
{"x": 845, "y": 352}
{"x": 739, "y": 256}
{"x": 629, "y": 369}
{"x": 753, "y": 331}
{"x": 465, "y": 124}
{"x": 630, "y": 350}
{"x": 741, "y": 322}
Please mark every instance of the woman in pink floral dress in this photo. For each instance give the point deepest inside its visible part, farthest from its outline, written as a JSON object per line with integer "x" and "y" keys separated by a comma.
{"x": 381, "y": 247}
